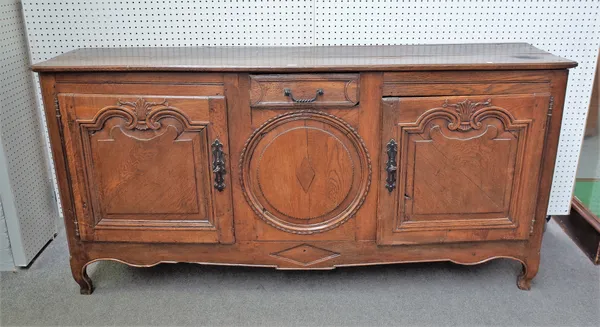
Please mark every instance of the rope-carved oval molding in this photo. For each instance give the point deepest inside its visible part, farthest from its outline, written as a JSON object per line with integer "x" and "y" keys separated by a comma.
{"x": 305, "y": 172}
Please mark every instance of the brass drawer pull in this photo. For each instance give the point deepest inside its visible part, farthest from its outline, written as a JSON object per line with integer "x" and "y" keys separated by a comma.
{"x": 288, "y": 92}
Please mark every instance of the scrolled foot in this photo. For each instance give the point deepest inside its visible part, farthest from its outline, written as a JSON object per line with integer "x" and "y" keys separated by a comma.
{"x": 78, "y": 269}
{"x": 524, "y": 283}
{"x": 529, "y": 271}
{"x": 86, "y": 288}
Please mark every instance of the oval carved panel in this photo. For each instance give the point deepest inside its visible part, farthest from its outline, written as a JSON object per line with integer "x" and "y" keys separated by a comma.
{"x": 305, "y": 172}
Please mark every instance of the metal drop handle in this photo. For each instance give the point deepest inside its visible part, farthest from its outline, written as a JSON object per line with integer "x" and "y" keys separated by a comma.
{"x": 288, "y": 93}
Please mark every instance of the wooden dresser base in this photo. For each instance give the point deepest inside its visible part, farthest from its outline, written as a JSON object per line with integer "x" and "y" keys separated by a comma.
{"x": 302, "y": 256}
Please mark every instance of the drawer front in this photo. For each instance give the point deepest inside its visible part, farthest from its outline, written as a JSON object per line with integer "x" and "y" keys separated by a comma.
{"x": 304, "y": 90}
{"x": 149, "y": 168}
{"x": 460, "y": 169}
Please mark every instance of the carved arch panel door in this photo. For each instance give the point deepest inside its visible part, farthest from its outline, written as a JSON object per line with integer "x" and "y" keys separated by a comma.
{"x": 148, "y": 168}
{"x": 460, "y": 168}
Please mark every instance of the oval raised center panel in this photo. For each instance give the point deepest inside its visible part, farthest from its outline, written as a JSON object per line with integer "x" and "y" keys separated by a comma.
{"x": 312, "y": 180}
{"x": 305, "y": 172}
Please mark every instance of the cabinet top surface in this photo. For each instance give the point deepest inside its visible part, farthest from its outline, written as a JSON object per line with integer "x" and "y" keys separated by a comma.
{"x": 490, "y": 56}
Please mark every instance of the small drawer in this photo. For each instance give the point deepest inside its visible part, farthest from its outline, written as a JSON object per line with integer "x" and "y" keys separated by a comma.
{"x": 304, "y": 90}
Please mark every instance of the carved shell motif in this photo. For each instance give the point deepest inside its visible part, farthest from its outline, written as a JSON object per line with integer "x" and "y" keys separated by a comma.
{"x": 142, "y": 109}
{"x": 466, "y": 114}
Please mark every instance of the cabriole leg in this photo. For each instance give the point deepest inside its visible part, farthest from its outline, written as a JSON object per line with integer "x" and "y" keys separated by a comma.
{"x": 530, "y": 269}
{"x": 78, "y": 268}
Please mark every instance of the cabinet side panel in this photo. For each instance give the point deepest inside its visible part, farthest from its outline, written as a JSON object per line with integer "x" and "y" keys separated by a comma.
{"x": 555, "y": 116}
{"x": 53, "y": 114}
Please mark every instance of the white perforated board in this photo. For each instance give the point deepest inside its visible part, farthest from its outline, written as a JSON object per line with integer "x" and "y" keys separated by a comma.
{"x": 25, "y": 185}
{"x": 569, "y": 28}
{"x": 6, "y": 257}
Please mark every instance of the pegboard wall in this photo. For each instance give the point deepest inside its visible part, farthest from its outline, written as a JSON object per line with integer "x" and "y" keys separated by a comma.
{"x": 569, "y": 28}
{"x": 25, "y": 186}
{"x": 6, "y": 257}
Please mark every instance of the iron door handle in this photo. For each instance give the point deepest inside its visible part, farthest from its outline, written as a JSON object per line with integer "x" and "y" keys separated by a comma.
{"x": 288, "y": 93}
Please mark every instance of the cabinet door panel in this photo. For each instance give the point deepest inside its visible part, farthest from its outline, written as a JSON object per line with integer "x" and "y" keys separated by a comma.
{"x": 142, "y": 167}
{"x": 305, "y": 172}
{"x": 467, "y": 167}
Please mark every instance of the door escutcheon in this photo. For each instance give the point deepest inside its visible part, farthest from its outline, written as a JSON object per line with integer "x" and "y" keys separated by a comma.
{"x": 391, "y": 166}
{"x": 218, "y": 165}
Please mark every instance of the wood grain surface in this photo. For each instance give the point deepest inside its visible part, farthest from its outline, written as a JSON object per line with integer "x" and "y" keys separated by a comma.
{"x": 489, "y": 56}
{"x": 410, "y": 153}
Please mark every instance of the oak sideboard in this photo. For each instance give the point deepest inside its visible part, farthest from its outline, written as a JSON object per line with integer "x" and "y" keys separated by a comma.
{"x": 307, "y": 157}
